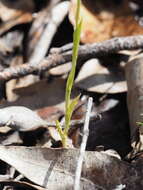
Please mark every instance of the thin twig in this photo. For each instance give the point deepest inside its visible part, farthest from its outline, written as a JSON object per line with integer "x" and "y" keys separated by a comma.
{"x": 83, "y": 145}
{"x": 85, "y": 52}
{"x": 62, "y": 49}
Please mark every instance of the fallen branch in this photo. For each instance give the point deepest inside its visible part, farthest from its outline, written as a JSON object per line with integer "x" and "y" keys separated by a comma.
{"x": 83, "y": 146}
{"x": 85, "y": 52}
{"x": 107, "y": 47}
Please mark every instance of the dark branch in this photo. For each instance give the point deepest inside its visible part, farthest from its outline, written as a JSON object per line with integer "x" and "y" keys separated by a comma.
{"x": 63, "y": 55}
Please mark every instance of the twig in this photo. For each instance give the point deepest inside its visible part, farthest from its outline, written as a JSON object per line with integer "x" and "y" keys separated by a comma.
{"x": 20, "y": 71}
{"x": 62, "y": 49}
{"x": 104, "y": 48}
{"x": 83, "y": 145}
{"x": 85, "y": 52}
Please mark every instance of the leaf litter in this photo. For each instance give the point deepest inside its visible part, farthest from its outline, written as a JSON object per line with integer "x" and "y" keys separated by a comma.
{"x": 30, "y": 105}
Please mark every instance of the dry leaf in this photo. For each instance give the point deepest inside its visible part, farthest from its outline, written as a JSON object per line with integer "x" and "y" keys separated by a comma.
{"x": 50, "y": 167}
{"x": 9, "y": 9}
{"x": 97, "y": 78}
{"x": 50, "y": 113}
{"x": 20, "y": 118}
{"x": 15, "y": 12}
{"x": 61, "y": 70}
{"x": 41, "y": 94}
{"x": 103, "y": 20}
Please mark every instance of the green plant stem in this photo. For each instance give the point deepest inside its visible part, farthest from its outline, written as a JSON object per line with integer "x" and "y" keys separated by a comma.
{"x": 70, "y": 104}
{"x": 70, "y": 81}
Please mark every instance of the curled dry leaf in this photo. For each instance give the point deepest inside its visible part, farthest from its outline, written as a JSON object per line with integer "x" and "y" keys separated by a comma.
{"x": 103, "y": 20}
{"x": 20, "y": 118}
{"x": 97, "y": 78}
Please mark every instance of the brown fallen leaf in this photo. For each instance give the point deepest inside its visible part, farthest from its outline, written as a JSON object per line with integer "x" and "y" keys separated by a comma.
{"x": 103, "y": 20}
{"x": 50, "y": 113}
{"x": 97, "y": 78}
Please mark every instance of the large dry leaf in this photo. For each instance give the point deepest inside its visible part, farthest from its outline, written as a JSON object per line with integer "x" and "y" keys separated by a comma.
{"x": 50, "y": 167}
{"x": 46, "y": 167}
{"x": 41, "y": 94}
{"x": 97, "y": 78}
{"x": 103, "y": 20}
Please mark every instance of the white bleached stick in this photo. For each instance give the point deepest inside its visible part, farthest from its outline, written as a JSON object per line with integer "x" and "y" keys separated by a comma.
{"x": 83, "y": 145}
